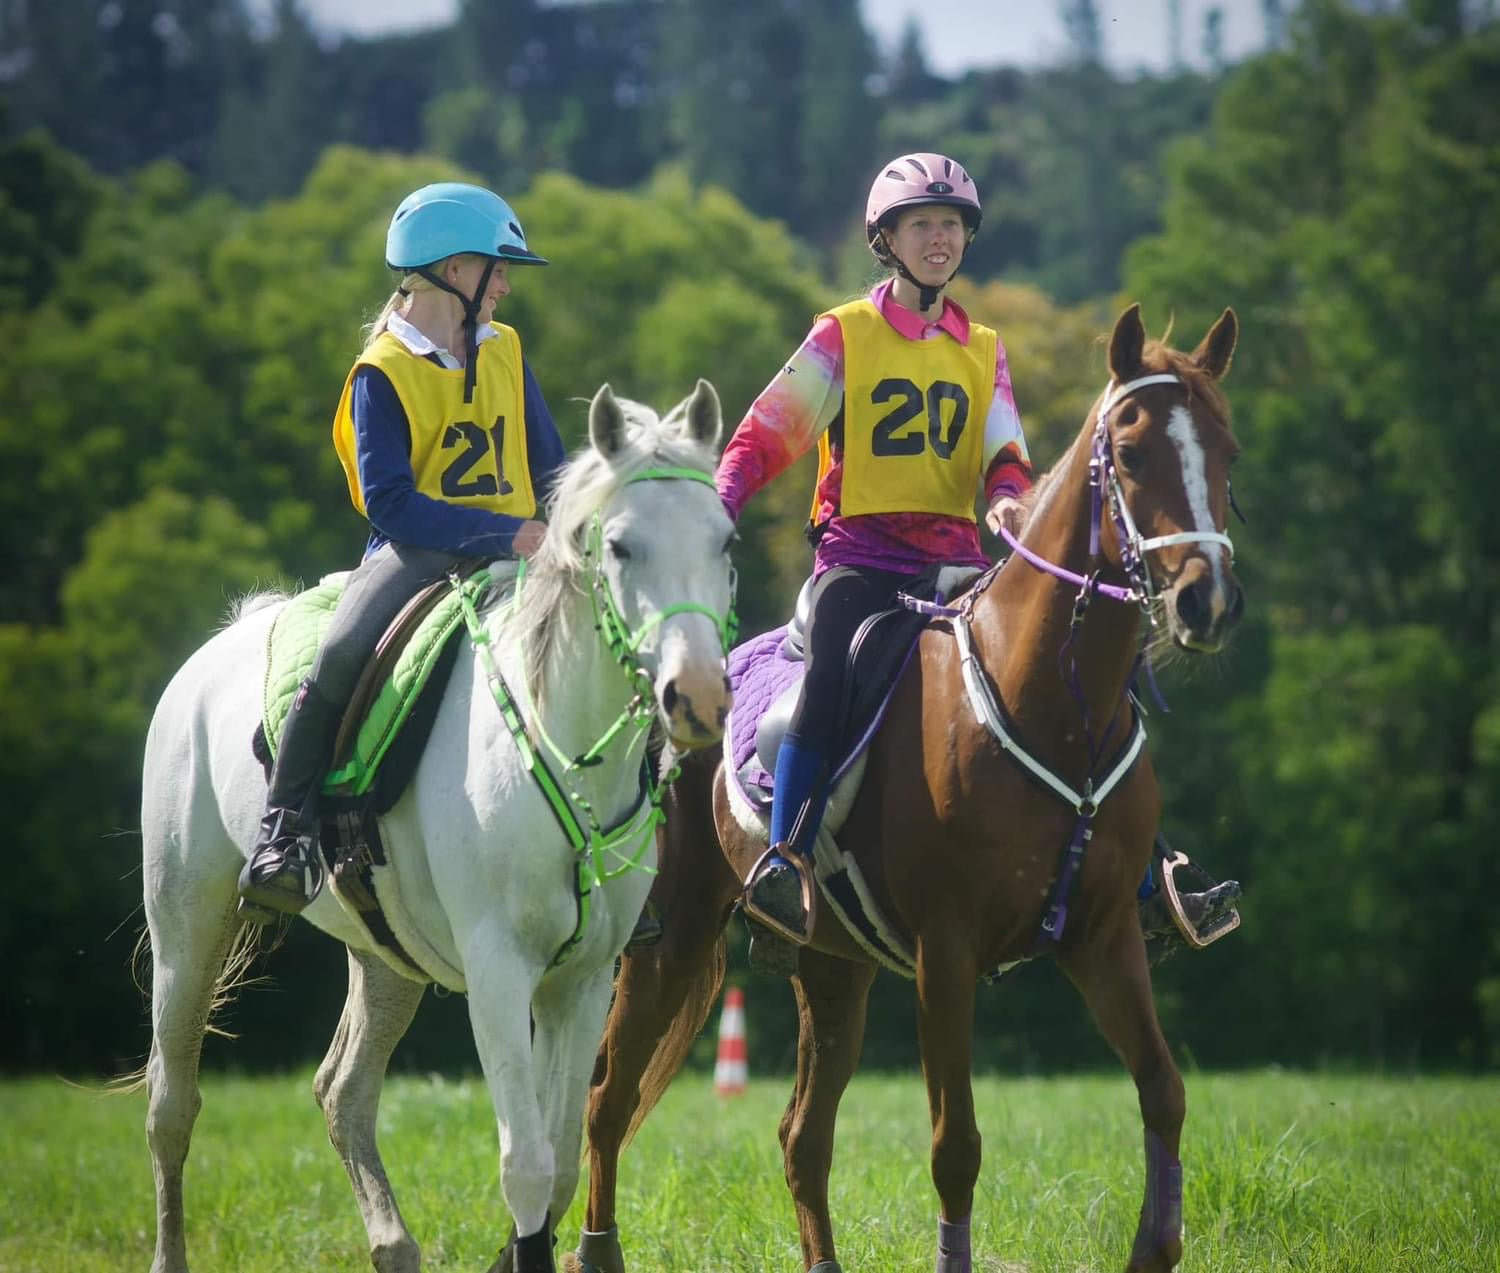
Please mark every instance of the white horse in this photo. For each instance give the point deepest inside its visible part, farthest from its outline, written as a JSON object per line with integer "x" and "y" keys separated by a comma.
{"x": 485, "y": 871}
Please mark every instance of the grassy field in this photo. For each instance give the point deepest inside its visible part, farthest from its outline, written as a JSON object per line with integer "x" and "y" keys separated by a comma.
{"x": 1283, "y": 1172}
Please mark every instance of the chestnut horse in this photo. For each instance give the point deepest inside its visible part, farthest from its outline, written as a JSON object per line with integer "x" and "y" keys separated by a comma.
{"x": 961, "y": 845}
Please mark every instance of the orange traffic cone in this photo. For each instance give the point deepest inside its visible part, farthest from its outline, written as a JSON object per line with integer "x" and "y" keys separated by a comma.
{"x": 730, "y": 1071}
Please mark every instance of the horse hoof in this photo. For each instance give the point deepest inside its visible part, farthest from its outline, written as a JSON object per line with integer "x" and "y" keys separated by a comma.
{"x": 1161, "y": 1261}
{"x": 597, "y": 1253}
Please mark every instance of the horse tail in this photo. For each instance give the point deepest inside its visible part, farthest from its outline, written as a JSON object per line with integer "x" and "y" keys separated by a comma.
{"x": 234, "y": 975}
{"x": 678, "y": 1039}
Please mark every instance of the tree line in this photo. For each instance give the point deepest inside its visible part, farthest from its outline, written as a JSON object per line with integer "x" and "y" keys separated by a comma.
{"x": 173, "y": 345}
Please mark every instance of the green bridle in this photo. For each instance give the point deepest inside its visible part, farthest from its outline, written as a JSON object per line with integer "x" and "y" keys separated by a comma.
{"x": 595, "y": 846}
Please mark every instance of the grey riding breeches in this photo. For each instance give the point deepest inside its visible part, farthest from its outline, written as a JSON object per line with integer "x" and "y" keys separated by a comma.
{"x": 384, "y": 582}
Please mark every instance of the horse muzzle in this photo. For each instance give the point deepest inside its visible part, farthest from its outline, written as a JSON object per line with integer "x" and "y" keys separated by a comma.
{"x": 695, "y": 707}
{"x": 1203, "y": 605}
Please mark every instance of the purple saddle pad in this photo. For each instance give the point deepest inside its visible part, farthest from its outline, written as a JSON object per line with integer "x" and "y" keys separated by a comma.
{"x": 758, "y": 674}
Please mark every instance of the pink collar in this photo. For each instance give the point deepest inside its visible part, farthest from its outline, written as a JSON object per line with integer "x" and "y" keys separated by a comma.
{"x": 912, "y": 325}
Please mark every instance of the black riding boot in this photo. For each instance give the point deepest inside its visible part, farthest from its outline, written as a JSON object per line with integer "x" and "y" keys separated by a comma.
{"x": 285, "y": 870}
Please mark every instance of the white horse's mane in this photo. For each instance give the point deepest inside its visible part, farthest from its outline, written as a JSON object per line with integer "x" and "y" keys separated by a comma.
{"x": 587, "y": 483}
{"x": 248, "y": 603}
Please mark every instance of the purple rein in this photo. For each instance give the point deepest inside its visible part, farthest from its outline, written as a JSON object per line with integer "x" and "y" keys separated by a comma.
{"x": 1113, "y": 591}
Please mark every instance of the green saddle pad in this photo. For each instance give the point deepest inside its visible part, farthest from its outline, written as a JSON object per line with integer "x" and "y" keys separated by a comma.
{"x": 293, "y": 645}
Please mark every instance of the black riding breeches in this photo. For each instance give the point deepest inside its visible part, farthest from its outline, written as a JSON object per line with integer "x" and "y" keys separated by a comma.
{"x": 842, "y": 599}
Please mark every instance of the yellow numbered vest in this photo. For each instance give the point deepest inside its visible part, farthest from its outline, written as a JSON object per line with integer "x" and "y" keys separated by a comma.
{"x": 472, "y": 453}
{"x": 914, "y": 416}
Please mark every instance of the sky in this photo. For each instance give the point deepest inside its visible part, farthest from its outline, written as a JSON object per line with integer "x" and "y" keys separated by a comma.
{"x": 957, "y": 34}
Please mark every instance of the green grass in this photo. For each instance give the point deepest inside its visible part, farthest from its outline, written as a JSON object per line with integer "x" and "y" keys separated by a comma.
{"x": 1283, "y": 1172}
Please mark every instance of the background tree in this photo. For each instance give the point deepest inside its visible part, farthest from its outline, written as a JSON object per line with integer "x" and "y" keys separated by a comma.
{"x": 1359, "y": 722}
{"x": 176, "y": 331}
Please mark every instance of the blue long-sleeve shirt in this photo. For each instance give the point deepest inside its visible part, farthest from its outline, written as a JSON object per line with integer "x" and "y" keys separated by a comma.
{"x": 399, "y": 512}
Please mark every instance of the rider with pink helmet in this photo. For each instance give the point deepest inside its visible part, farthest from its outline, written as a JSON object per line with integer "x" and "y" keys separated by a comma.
{"x": 912, "y": 181}
{"x": 910, "y": 406}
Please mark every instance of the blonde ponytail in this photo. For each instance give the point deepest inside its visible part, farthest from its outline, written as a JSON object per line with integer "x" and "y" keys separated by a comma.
{"x": 411, "y": 283}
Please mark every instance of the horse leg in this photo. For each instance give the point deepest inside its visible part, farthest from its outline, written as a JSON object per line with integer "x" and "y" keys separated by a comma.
{"x": 377, "y": 1011}
{"x": 662, "y": 998}
{"x": 832, "y": 995}
{"x": 663, "y": 995}
{"x": 501, "y": 986}
{"x": 1115, "y": 982}
{"x": 569, "y": 1016}
{"x": 946, "y": 975}
{"x": 197, "y": 945}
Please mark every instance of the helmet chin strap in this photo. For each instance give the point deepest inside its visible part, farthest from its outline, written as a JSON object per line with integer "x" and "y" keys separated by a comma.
{"x": 926, "y": 294}
{"x": 471, "y": 319}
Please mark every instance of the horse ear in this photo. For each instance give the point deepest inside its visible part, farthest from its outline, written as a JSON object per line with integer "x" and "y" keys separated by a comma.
{"x": 606, "y": 422}
{"x": 1217, "y": 350}
{"x": 705, "y": 418}
{"x": 1126, "y": 346}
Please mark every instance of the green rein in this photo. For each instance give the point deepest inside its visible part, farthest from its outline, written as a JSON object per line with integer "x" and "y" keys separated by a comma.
{"x": 600, "y": 854}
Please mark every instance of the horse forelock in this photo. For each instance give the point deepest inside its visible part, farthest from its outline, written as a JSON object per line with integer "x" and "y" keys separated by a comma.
{"x": 586, "y": 485}
{"x": 1158, "y": 356}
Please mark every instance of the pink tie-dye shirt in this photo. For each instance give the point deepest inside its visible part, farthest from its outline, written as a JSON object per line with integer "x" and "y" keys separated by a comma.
{"x": 807, "y": 397}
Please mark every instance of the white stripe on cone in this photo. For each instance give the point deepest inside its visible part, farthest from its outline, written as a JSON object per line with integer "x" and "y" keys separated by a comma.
{"x": 730, "y": 1072}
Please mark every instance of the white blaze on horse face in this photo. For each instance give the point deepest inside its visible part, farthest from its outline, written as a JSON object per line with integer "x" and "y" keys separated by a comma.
{"x": 1183, "y": 430}
{"x": 682, "y": 562}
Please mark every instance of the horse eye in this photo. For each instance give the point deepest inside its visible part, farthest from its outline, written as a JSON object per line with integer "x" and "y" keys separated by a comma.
{"x": 618, "y": 550}
{"x": 1129, "y": 458}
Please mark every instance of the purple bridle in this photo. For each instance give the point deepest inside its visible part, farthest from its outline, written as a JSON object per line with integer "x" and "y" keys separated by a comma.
{"x": 1104, "y": 485}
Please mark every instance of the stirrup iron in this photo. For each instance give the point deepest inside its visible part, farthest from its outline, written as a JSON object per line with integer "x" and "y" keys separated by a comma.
{"x": 803, "y": 869}
{"x": 1220, "y": 925}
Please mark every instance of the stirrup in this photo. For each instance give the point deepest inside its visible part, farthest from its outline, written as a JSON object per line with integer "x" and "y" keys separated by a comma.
{"x": 284, "y": 872}
{"x": 803, "y": 868}
{"x": 1221, "y": 925}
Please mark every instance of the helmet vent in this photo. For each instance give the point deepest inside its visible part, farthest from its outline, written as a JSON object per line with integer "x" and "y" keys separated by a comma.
{"x": 894, "y": 175}
{"x": 516, "y": 230}
{"x": 920, "y": 167}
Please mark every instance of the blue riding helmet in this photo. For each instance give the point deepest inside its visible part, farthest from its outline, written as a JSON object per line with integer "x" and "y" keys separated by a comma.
{"x": 449, "y": 217}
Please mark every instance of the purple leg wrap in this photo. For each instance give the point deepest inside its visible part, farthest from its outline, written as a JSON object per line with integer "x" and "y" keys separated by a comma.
{"x": 1161, "y": 1211}
{"x": 953, "y": 1248}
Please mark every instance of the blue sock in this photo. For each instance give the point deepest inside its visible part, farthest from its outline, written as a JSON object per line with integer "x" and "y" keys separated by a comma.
{"x": 1148, "y": 885}
{"x": 799, "y": 768}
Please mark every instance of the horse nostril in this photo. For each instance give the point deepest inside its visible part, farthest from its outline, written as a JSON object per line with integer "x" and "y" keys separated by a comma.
{"x": 1191, "y": 608}
{"x": 1236, "y": 604}
{"x": 669, "y": 697}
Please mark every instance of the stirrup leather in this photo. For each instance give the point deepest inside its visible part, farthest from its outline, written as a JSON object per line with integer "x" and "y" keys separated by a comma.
{"x": 803, "y": 868}
{"x": 1220, "y": 926}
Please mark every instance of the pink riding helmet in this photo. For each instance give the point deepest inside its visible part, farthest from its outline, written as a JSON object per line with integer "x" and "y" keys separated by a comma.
{"x": 921, "y": 178}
